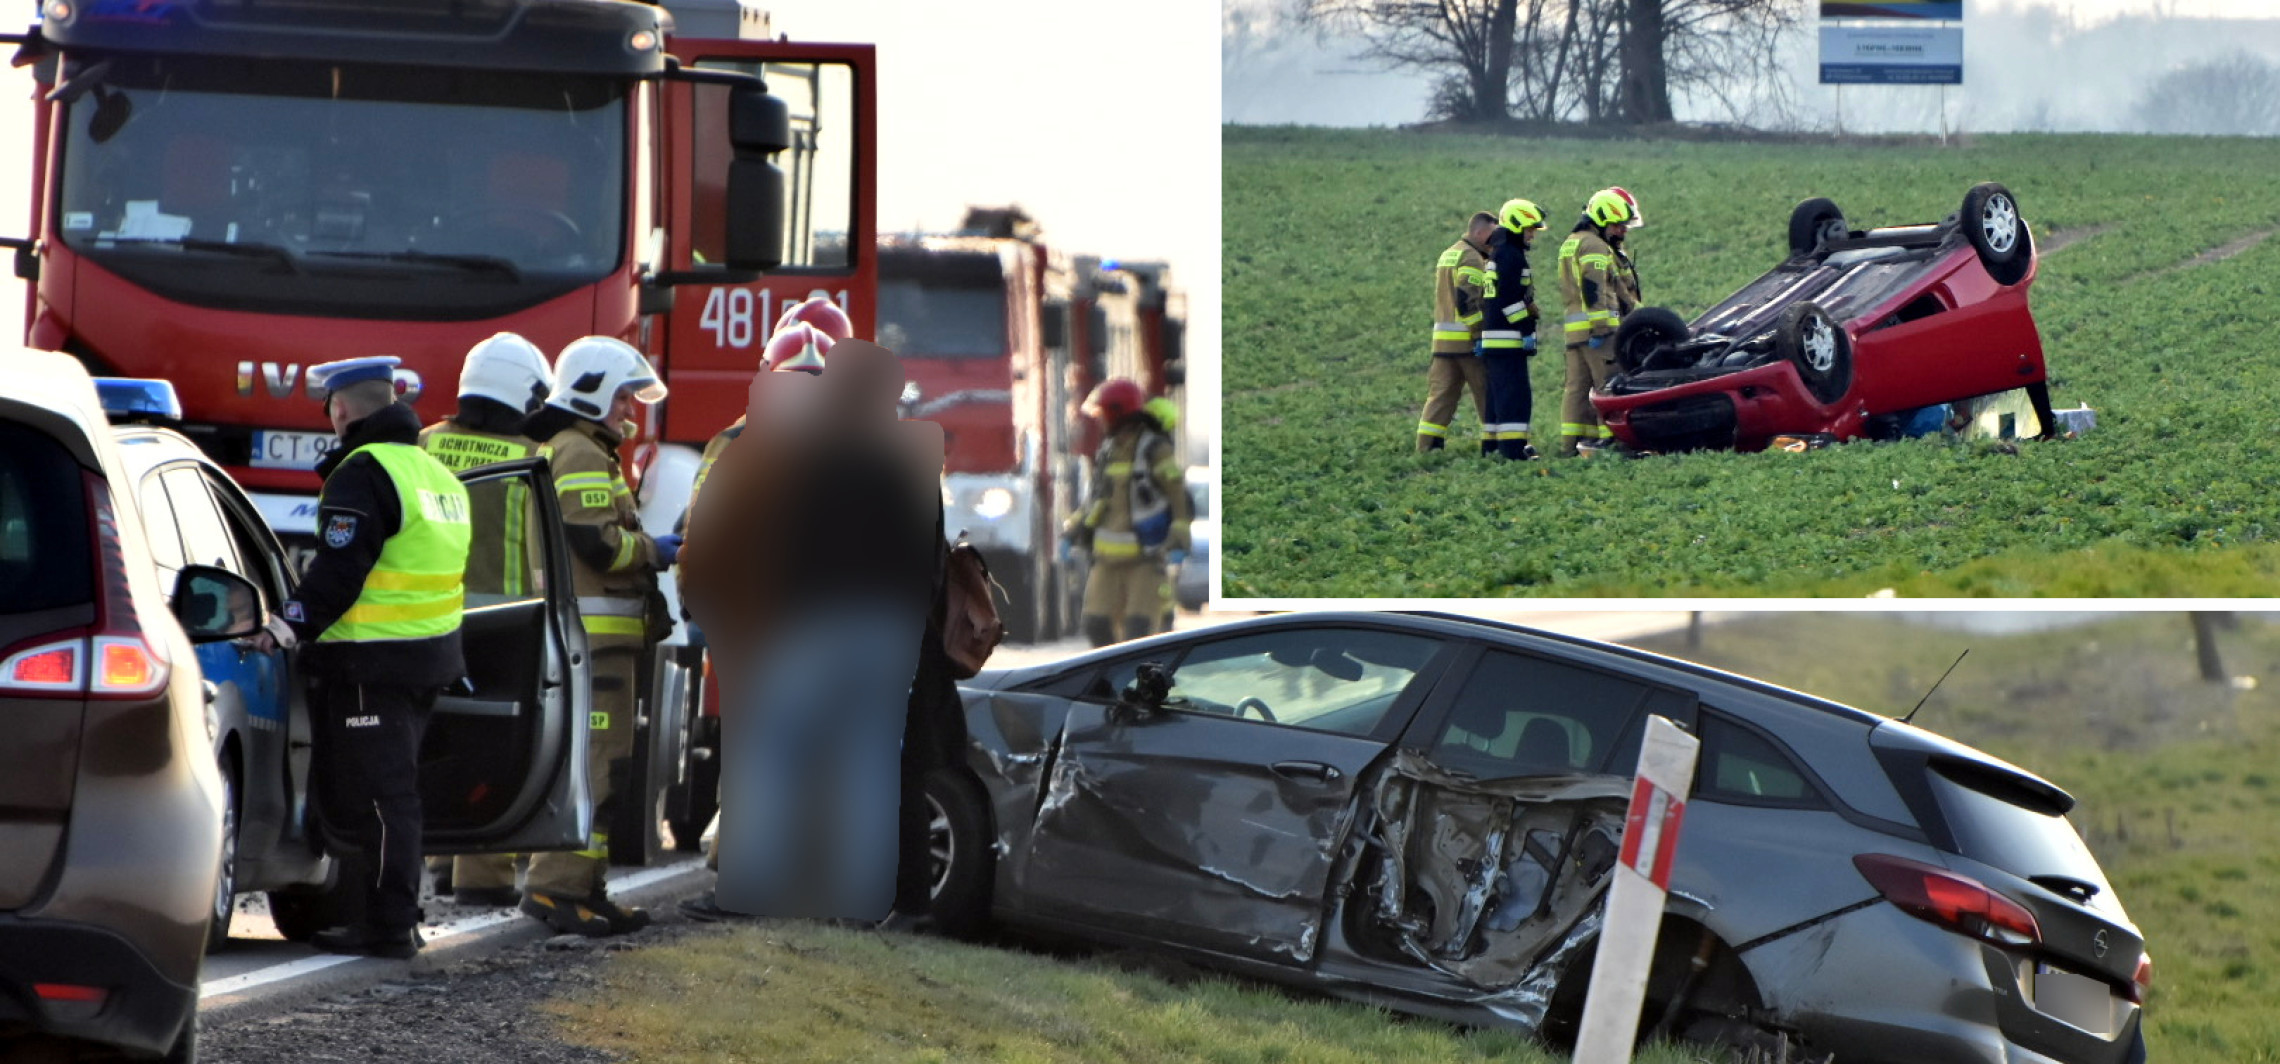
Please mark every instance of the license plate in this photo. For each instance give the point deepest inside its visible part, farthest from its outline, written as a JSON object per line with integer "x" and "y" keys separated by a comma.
{"x": 276, "y": 449}
{"x": 2076, "y": 999}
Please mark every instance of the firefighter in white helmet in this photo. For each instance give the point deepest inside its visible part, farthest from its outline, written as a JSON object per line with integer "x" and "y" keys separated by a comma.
{"x": 600, "y": 383}
{"x": 504, "y": 380}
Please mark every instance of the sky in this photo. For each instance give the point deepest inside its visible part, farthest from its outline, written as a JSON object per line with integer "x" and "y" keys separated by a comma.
{"x": 1101, "y": 120}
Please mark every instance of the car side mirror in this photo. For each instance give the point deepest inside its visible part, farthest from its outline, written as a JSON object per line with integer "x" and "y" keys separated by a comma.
{"x": 216, "y": 604}
{"x": 1151, "y": 685}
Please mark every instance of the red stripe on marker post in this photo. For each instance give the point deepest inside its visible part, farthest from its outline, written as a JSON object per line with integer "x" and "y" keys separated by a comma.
{"x": 1634, "y": 905}
{"x": 1651, "y": 829}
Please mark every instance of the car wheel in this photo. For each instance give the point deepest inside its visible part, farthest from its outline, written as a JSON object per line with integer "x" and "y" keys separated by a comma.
{"x": 1992, "y": 223}
{"x": 1820, "y": 348}
{"x": 960, "y": 852}
{"x": 225, "y": 877}
{"x": 304, "y": 911}
{"x": 701, "y": 798}
{"x": 1813, "y": 223}
{"x": 1644, "y": 333}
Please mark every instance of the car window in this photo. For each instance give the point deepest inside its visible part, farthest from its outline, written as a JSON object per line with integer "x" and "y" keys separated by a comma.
{"x": 206, "y": 539}
{"x": 1739, "y": 765}
{"x": 1998, "y": 822}
{"x": 1341, "y": 680}
{"x": 261, "y": 566}
{"x": 44, "y": 557}
{"x": 1518, "y": 715}
{"x": 160, "y": 527}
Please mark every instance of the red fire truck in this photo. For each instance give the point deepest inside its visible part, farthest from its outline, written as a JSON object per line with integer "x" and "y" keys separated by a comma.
{"x": 968, "y": 314}
{"x": 226, "y": 192}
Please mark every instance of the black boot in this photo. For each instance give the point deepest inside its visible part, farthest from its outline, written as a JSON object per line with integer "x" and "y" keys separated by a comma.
{"x": 370, "y": 941}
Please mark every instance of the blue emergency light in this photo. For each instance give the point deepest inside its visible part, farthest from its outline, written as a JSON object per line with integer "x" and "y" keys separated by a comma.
{"x": 133, "y": 398}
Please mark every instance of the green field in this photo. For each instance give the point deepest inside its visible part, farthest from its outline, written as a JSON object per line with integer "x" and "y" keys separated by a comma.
{"x": 1330, "y": 239}
{"x": 2178, "y": 782}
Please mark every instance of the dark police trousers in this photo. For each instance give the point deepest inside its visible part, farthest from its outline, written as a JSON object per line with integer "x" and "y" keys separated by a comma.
{"x": 366, "y": 771}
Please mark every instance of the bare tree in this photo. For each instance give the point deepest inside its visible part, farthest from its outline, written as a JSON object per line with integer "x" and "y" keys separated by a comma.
{"x": 1469, "y": 42}
{"x": 1576, "y": 60}
{"x": 2234, "y": 94}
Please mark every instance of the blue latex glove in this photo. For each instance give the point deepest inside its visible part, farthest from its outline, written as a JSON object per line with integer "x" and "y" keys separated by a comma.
{"x": 1598, "y": 340}
{"x": 1528, "y": 343}
{"x": 1175, "y": 555}
{"x": 1479, "y": 348}
{"x": 1068, "y": 552}
{"x": 668, "y": 549}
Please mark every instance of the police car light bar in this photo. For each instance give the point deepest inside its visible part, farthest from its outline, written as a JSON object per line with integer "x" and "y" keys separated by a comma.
{"x": 136, "y": 399}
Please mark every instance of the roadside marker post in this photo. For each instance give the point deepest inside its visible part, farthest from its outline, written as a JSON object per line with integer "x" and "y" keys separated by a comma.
{"x": 1635, "y": 900}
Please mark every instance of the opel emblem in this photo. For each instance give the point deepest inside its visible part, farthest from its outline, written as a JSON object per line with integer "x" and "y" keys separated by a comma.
{"x": 2098, "y": 944}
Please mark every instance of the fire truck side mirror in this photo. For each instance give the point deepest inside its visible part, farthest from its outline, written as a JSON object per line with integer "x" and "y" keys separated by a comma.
{"x": 759, "y": 125}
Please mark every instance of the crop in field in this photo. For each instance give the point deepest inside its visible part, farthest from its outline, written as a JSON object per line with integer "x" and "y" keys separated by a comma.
{"x": 1330, "y": 239}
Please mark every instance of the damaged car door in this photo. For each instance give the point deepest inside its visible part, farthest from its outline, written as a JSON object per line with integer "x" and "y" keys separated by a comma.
{"x": 1206, "y": 814}
{"x": 1485, "y": 843}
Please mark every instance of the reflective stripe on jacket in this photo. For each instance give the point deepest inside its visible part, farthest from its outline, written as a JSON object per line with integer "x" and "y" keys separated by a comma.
{"x": 415, "y": 590}
{"x": 1594, "y": 302}
{"x": 498, "y": 565}
{"x": 1462, "y": 287}
{"x": 594, "y": 493}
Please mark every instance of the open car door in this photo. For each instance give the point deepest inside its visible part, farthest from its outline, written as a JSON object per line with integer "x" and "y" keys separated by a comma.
{"x": 503, "y": 767}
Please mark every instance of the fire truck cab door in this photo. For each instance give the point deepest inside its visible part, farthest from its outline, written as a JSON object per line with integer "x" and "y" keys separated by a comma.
{"x": 503, "y": 767}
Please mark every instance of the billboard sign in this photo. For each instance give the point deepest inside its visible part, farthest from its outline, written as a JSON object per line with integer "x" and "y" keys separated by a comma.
{"x": 1891, "y": 55}
{"x": 1951, "y": 10}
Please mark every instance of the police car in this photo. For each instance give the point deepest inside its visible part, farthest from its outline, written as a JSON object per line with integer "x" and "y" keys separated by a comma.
{"x": 504, "y": 765}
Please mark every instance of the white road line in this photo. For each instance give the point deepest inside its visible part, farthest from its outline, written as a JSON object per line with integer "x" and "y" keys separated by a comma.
{"x": 435, "y": 933}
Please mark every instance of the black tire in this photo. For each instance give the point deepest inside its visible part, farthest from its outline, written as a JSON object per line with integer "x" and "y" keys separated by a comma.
{"x": 1820, "y": 348}
{"x": 700, "y": 798}
{"x": 637, "y": 808}
{"x": 1814, "y": 222}
{"x": 1645, "y": 332}
{"x": 225, "y": 875}
{"x": 304, "y": 911}
{"x": 1992, "y": 223}
{"x": 958, "y": 839}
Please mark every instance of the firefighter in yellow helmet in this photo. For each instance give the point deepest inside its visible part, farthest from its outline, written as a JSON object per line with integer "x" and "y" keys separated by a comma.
{"x": 1597, "y": 299}
{"x": 1137, "y": 520}
{"x": 504, "y": 379}
{"x": 599, "y": 385}
{"x": 1508, "y": 335}
{"x": 1462, "y": 288}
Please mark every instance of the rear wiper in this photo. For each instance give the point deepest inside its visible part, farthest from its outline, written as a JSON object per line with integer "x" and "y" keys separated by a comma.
{"x": 256, "y": 251}
{"x": 2080, "y": 889}
{"x": 471, "y": 263}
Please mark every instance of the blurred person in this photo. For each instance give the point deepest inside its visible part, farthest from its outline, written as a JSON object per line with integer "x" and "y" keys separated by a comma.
{"x": 1596, "y": 299}
{"x": 1137, "y": 519}
{"x": 600, "y": 383}
{"x": 815, "y": 564}
{"x": 1462, "y": 288}
{"x": 1508, "y": 333}
{"x": 378, "y": 617}
{"x": 503, "y": 381}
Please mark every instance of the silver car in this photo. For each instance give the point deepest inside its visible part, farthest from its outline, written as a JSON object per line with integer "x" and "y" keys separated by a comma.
{"x": 1422, "y": 811}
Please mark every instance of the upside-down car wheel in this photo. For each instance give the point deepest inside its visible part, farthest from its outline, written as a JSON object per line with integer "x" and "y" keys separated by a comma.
{"x": 1813, "y": 340}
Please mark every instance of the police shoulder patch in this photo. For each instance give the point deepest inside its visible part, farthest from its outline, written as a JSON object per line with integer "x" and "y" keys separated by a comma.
{"x": 293, "y": 611}
{"x": 340, "y": 531}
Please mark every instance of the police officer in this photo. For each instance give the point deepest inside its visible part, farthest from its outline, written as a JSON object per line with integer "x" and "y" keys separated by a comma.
{"x": 504, "y": 380}
{"x": 1137, "y": 518}
{"x": 1508, "y": 333}
{"x": 599, "y": 384}
{"x": 1461, "y": 290}
{"x": 1596, "y": 299}
{"x": 378, "y": 615}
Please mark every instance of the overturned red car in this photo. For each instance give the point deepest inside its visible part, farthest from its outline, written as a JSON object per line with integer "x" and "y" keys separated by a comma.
{"x": 1855, "y": 329}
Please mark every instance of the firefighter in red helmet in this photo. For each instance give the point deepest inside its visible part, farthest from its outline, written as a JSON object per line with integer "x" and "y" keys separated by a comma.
{"x": 820, "y": 312}
{"x": 1137, "y": 518}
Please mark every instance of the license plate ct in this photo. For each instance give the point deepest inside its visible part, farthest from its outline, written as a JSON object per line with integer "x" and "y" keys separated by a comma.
{"x": 277, "y": 449}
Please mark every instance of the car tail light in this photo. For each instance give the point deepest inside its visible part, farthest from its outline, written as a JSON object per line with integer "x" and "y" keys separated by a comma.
{"x": 1958, "y": 903}
{"x": 2141, "y": 983}
{"x": 113, "y": 660}
{"x": 69, "y": 992}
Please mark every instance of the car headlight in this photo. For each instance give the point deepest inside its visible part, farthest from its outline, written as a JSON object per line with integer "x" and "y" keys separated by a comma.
{"x": 949, "y": 501}
{"x": 994, "y": 503}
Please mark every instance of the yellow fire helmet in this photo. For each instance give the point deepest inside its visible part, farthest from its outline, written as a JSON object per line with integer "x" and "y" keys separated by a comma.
{"x": 1519, "y": 215}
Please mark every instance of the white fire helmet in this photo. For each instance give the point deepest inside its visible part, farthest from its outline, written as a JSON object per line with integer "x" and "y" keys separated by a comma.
{"x": 591, "y": 370}
{"x": 507, "y": 369}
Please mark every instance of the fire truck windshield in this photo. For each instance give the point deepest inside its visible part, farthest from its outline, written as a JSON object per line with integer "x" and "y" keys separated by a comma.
{"x": 940, "y": 321}
{"x": 366, "y": 192}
